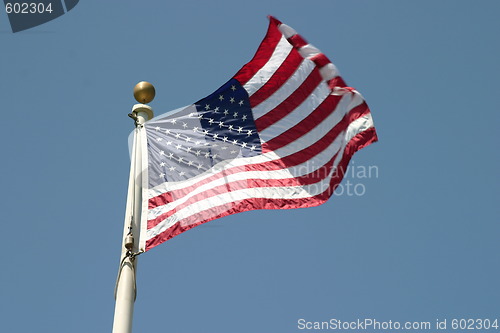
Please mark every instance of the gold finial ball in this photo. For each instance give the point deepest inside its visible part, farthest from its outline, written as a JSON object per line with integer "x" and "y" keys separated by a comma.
{"x": 144, "y": 92}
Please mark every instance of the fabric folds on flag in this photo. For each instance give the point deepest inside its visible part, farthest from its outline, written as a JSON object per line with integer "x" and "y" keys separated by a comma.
{"x": 277, "y": 135}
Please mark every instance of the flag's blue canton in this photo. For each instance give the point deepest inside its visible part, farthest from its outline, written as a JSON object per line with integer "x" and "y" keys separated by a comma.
{"x": 218, "y": 128}
{"x": 226, "y": 117}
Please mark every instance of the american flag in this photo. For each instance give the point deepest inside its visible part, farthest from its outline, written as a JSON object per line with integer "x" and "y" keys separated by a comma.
{"x": 278, "y": 135}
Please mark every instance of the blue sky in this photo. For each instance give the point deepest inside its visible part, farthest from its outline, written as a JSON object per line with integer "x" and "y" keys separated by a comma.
{"x": 420, "y": 244}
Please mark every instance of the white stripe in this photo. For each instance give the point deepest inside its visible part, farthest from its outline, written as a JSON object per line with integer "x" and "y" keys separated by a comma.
{"x": 329, "y": 71}
{"x": 347, "y": 102}
{"x": 264, "y": 74}
{"x": 359, "y": 125}
{"x": 319, "y": 94}
{"x": 308, "y": 51}
{"x": 287, "y": 30}
{"x": 293, "y": 192}
{"x": 301, "y": 74}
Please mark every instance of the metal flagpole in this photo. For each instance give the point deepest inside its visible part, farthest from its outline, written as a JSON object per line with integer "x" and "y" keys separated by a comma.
{"x": 125, "y": 290}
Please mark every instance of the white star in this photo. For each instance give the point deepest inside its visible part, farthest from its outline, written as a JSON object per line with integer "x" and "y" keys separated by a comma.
{"x": 182, "y": 173}
{"x": 210, "y": 121}
{"x": 157, "y": 128}
{"x": 188, "y": 149}
{"x": 161, "y": 175}
{"x": 170, "y": 155}
{"x": 244, "y": 117}
{"x": 169, "y": 143}
{"x": 230, "y": 127}
{"x": 167, "y": 131}
{"x": 159, "y": 139}
{"x": 250, "y": 132}
{"x": 173, "y": 121}
{"x": 207, "y": 106}
{"x": 240, "y": 129}
{"x": 224, "y": 147}
{"x": 216, "y": 109}
{"x": 190, "y": 163}
{"x": 200, "y": 166}
{"x": 235, "y": 115}
{"x": 241, "y": 102}
{"x": 197, "y": 143}
{"x": 233, "y": 87}
{"x": 162, "y": 164}
{"x": 214, "y": 156}
{"x": 187, "y": 138}
{"x": 178, "y": 146}
{"x": 198, "y": 152}
{"x": 216, "y": 136}
{"x": 207, "y": 155}
{"x": 233, "y": 152}
{"x": 235, "y": 142}
{"x": 162, "y": 152}
{"x": 205, "y": 132}
{"x": 195, "y": 129}
{"x": 221, "y": 98}
{"x": 226, "y": 112}
{"x": 177, "y": 135}
{"x": 252, "y": 147}
{"x": 231, "y": 100}
{"x": 184, "y": 125}
{"x": 224, "y": 139}
{"x": 172, "y": 168}
{"x": 180, "y": 160}
{"x": 221, "y": 124}
{"x": 244, "y": 144}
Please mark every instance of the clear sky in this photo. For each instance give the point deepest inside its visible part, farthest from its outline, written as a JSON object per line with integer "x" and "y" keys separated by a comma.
{"x": 419, "y": 243}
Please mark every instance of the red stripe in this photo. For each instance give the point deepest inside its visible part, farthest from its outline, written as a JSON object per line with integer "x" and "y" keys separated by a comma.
{"x": 359, "y": 141}
{"x": 287, "y": 161}
{"x": 320, "y": 60}
{"x": 262, "y": 55}
{"x": 274, "y": 20}
{"x": 337, "y": 82}
{"x": 282, "y": 74}
{"x": 297, "y": 41}
{"x": 291, "y": 102}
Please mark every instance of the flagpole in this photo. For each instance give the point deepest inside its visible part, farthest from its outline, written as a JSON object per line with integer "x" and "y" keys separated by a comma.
{"x": 125, "y": 289}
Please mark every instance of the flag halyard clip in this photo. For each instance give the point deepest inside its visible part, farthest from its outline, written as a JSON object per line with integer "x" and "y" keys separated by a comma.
{"x": 133, "y": 115}
{"x": 129, "y": 244}
{"x": 129, "y": 254}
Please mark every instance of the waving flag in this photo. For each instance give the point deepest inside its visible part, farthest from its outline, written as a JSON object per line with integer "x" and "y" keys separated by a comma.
{"x": 277, "y": 135}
